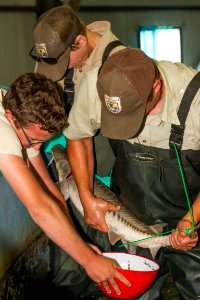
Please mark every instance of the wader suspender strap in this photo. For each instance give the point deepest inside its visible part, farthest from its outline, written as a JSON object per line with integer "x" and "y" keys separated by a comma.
{"x": 107, "y": 51}
{"x": 177, "y": 131}
{"x": 69, "y": 84}
{"x": 69, "y": 90}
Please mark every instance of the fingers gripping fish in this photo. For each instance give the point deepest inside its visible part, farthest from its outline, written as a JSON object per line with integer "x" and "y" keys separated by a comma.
{"x": 122, "y": 224}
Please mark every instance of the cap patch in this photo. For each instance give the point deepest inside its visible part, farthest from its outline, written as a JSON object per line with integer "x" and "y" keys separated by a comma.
{"x": 113, "y": 104}
{"x": 41, "y": 50}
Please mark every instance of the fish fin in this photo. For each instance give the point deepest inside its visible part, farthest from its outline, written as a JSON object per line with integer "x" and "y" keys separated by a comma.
{"x": 154, "y": 249}
{"x": 113, "y": 237}
{"x": 63, "y": 187}
{"x": 62, "y": 164}
{"x": 131, "y": 248}
{"x": 158, "y": 228}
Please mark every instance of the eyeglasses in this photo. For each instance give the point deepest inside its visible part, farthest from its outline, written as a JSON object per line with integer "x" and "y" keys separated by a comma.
{"x": 28, "y": 139}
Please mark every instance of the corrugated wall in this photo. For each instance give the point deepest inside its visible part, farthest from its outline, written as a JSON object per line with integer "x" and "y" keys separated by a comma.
{"x": 17, "y": 229}
{"x": 125, "y": 24}
{"x": 15, "y": 38}
{"x": 17, "y": 23}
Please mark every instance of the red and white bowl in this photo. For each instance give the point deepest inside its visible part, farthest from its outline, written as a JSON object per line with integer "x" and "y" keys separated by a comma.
{"x": 140, "y": 271}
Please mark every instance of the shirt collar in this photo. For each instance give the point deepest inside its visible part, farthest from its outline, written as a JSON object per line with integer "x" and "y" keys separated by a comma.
{"x": 104, "y": 29}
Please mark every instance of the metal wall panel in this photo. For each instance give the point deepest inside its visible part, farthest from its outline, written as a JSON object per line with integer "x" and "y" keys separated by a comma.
{"x": 135, "y": 3}
{"x": 16, "y": 41}
{"x": 18, "y": 2}
{"x": 125, "y": 25}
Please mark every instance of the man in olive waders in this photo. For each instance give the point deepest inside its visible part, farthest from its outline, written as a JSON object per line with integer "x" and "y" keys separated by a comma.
{"x": 145, "y": 108}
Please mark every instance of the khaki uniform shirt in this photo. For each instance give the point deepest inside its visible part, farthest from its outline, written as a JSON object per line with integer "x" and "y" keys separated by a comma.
{"x": 85, "y": 115}
{"x": 9, "y": 141}
{"x": 93, "y": 63}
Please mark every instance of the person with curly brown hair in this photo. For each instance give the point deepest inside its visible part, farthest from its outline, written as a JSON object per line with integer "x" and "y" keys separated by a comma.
{"x": 26, "y": 121}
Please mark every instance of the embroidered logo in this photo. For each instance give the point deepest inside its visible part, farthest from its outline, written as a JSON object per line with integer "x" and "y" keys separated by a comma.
{"x": 41, "y": 50}
{"x": 113, "y": 104}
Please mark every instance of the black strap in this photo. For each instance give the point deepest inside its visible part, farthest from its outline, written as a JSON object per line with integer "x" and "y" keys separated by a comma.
{"x": 177, "y": 131}
{"x": 68, "y": 90}
{"x": 107, "y": 51}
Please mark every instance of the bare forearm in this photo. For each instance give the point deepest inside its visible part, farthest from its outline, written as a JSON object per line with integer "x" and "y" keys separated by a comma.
{"x": 80, "y": 155}
{"x": 195, "y": 210}
{"x": 54, "y": 219}
{"x": 40, "y": 171}
{"x": 51, "y": 215}
{"x": 179, "y": 238}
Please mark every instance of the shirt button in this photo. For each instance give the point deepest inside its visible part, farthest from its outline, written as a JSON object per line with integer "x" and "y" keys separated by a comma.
{"x": 80, "y": 70}
{"x": 144, "y": 141}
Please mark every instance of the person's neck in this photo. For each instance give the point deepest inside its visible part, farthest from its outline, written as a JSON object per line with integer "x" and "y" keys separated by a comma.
{"x": 157, "y": 102}
{"x": 157, "y": 107}
{"x": 93, "y": 38}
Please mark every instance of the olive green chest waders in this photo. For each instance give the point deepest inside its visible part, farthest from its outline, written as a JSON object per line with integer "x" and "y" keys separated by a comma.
{"x": 147, "y": 180}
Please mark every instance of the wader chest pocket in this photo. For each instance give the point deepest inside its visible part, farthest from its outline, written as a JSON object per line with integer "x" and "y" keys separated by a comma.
{"x": 145, "y": 159}
{"x": 142, "y": 156}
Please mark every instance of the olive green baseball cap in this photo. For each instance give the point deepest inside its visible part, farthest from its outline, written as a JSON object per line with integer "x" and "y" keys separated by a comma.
{"x": 53, "y": 34}
{"x": 124, "y": 85}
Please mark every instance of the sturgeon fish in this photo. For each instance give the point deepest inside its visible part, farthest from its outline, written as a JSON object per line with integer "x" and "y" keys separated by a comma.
{"x": 122, "y": 224}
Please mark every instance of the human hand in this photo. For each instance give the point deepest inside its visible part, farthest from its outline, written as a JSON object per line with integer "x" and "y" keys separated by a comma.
{"x": 180, "y": 240}
{"x": 103, "y": 270}
{"x": 95, "y": 210}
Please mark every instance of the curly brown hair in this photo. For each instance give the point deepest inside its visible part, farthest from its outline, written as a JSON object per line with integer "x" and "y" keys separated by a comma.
{"x": 34, "y": 99}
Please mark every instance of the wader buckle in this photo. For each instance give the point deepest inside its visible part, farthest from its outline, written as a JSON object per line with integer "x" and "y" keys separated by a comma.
{"x": 176, "y": 137}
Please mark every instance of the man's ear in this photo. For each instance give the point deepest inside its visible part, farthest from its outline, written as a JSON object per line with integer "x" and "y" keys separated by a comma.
{"x": 11, "y": 118}
{"x": 9, "y": 115}
{"x": 80, "y": 41}
{"x": 157, "y": 85}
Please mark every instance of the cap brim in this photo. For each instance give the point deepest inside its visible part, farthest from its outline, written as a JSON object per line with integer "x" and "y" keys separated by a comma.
{"x": 122, "y": 127}
{"x": 55, "y": 71}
